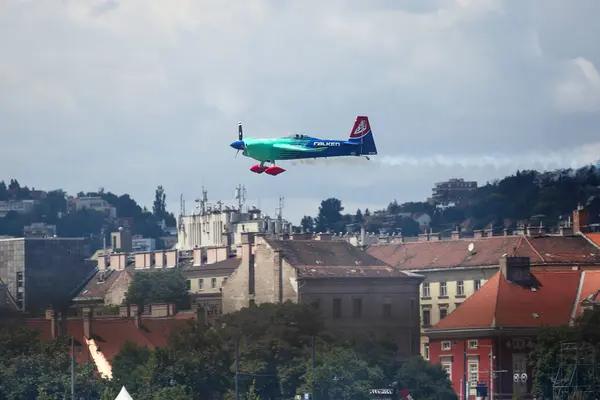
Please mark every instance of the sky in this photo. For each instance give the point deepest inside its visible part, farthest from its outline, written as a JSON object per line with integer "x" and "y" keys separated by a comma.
{"x": 132, "y": 94}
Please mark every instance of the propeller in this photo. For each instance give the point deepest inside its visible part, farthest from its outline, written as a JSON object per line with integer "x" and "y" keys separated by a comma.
{"x": 240, "y": 136}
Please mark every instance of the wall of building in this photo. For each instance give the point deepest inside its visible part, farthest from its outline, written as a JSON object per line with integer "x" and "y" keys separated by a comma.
{"x": 509, "y": 357}
{"x": 12, "y": 267}
{"x": 54, "y": 269}
{"x": 402, "y": 324}
{"x": 207, "y": 284}
{"x": 435, "y": 303}
{"x": 117, "y": 292}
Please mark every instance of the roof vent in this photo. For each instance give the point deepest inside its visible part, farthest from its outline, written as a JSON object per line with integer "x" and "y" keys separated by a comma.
{"x": 313, "y": 270}
{"x": 534, "y": 289}
{"x": 319, "y": 262}
{"x": 357, "y": 262}
{"x": 536, "y": 315}
{"x": 353, "y": 271}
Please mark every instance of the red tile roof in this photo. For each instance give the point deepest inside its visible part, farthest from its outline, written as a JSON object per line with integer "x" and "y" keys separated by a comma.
{"x": 335, "y": 259}
{"x": 594, "y": 237}
{"x": 111, "y": 333}
{"x": 589, "y": 288}
{"x": 500, "y": 303}
{"x": 487, "y": 252}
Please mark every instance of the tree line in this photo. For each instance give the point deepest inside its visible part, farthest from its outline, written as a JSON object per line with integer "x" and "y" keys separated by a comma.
{"x": 531, "y": 196}
{"x": 274, "y": 344}
{"x": 53, "y": 209}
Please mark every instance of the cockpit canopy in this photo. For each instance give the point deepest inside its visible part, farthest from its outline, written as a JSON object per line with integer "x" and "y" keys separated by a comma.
{"x": 298, "y": 136}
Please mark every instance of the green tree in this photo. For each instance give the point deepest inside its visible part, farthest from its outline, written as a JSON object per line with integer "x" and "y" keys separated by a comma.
{"x": 307, "y": 224}
{"x": 425, "y": 381}
{"x": 330, "y": 215}
{"x": 3, "y": 191}
{"x": 159, "y": 207}
{"x": 125, "y": 366}
{"x": 165, "y": 286}
{"x": 359, "y": 217}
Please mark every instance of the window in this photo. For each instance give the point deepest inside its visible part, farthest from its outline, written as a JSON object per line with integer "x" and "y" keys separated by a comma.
{"x": 476, "y": 284}
{"x": 426, "y": 317}
{"x": 426, "y": 351}
{"x": 443, "y": 313}
{"x": 446, "y": 345}
{"x": 357, "y": 308}
{"x": 460, "y": 288}
{"x": 213, "y": 283}
{"x": 473, "y": 344}
{"x": 426, "y": 290}
{"x": 337, "y": 308}
{"x": 316, "y": 304}
{"x": 447, "y": 366}
{"x": 473, "y": 374}
{"x": 443, "y": 289}
{"x": 387, "y": 310}
{"x": 201, "y": 284}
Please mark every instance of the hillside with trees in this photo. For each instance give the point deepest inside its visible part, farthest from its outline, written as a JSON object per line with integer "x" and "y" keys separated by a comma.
{"x": 275, "y": 347}
{"x": 527, "y": 196}
{"x": 52, "y": 208}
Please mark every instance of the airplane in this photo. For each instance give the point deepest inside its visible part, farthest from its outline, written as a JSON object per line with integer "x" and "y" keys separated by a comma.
{"x": 296, "y": 147}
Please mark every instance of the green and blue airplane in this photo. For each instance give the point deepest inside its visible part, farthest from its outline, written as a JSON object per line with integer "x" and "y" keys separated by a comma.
{"x": 296, "y": 147}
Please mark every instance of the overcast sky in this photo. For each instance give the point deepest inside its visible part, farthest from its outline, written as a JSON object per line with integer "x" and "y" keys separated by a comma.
{"x": 130, "y": 94}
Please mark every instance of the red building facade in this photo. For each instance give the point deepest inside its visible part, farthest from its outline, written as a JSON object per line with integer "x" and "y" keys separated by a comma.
{"x": 489, "y": 337}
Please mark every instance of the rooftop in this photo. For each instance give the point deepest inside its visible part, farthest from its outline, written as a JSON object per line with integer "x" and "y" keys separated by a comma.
{"x": 553, "y": 298}
{"x": 220, "y": 268}
{"x": 332, "y": 258}
{"x": 487, "y": 251}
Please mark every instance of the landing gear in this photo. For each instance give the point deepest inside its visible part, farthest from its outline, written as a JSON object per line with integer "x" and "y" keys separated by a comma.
{"x": 273, "y": 170}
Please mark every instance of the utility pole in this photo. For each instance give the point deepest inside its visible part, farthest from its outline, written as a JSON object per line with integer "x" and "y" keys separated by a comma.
{"x": 72, "y": 368}
{"x": 237, "y": 369}
{"x": 314, "y": 362}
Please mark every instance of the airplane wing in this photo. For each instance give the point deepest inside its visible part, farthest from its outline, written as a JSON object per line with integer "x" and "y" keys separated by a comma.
{"x": 292, "y": 147}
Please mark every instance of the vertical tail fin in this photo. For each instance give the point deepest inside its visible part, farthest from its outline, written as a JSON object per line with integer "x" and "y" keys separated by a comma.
{"x": 361, "y": 133}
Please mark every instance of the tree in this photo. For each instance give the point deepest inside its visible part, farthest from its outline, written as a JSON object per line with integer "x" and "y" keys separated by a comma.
{"x": 394, "y": 208}
{"x": 330, "y": 214}
{"x": 165, "y": 286}
{"x": 307, "y": 224}
{"x": 3, "y": 191}
{"x": 125, "y": 365}
{"x": 159, "y": 206}
{"x": 359, "y": 217}
{"x": 425, "y": 381}
{"x": 14, "y": 185}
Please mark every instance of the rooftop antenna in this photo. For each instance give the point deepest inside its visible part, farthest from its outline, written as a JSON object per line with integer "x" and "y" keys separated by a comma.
{"x": 279, "y": 210}
{"x": 204, "y": 200}
{"x": 240, "y": 196}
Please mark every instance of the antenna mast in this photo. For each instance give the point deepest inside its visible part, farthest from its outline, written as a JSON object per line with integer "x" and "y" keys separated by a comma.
{"x": 279, "y": 210}
{"x": 240, "y": 196}
{"x": 204, "y": 201}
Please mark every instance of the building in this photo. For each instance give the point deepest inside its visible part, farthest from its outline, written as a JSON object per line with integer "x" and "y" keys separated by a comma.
{"x": 111, "y": 280}
{"x": 95, "y": 203}
{"x": 494, "y": 329}
{"x": 43, "y": 271}
{"x": 18, "y": 206}
{"x": 353, "y": 290}
{"x": 39, "y": 229}
{"x": 140, "y": 243}
{"x": 451, "y": 191}
{"x": 455, "y": 269}
{"x": 217, "y": 225}
{"x": 99, "y": 339}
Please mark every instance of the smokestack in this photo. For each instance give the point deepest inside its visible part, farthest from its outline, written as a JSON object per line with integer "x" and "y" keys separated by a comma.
{"x": 363, "y": 236}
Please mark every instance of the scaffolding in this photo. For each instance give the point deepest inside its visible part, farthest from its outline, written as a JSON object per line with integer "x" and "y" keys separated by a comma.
{"x": 576, "y": 375}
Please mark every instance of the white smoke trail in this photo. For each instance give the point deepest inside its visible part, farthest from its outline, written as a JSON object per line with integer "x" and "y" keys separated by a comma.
{"x": 569, "y": 158}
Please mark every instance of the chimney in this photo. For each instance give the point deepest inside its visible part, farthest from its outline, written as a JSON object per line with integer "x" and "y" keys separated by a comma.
{"x": 138, "y": 318}
{"x": 478, "y": 234}
{"x": 87, "y": 322}
{"x": 301, "y": 236}
{"x": 455, "y": 234}
{"x": 211, "y": 255}
{"x": 521, "y": 228}
{"x": 516, "y": 269}
{"x": 248, "y": 259}
{"x": 434, "y": 237}
{"x": 505, "y": 232}
{"x": 102, "y": 263}
{"x": 424, "y": 237}
{"x": 52, "y": 316}
{"x": 363, "y": 236}
{"x": 197, "y": 257}
{"x": 489, "y": 232}
{"x": 580, "y": 220}
{"x": 238, "y": 251}
{"x": 324, "y": 236}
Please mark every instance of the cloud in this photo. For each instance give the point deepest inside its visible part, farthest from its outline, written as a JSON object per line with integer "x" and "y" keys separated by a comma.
{"x": 132, "y": 94}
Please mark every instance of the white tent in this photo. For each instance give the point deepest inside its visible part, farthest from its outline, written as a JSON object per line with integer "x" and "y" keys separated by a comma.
{"x": 123, "y": 395}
